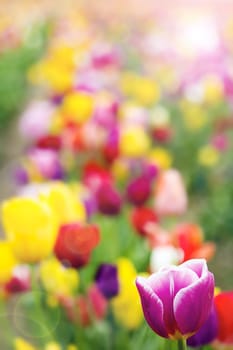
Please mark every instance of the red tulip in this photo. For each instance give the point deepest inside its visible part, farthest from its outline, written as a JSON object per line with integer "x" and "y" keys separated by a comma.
{"x": 224, "y": 307}
{"x": 49, "y": 141}
{"x": 189, "y": 237}
{"x": 140, "y": 217}
{"x": 75, "y": 243}
{"x": 86, "y": 308}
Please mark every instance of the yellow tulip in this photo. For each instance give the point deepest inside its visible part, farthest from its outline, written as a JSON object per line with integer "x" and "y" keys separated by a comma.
{"x": 194, "y": 115}
{"x": 58, "y": 280}
{"x": 126, "y": 305}
{"x": 7, "y": 262}
{"x": 52, "y": 346}
{"x": 78, "y": 106}
{"x": 72, "y": 347}
{"x": 160, "y": 157}
{"x": 21, "y": 344}
{"x": 208, "y": 156}
{"x": 142, "y": 89}
{"x": 213, "y": 89}
{"x": 120, "y": 169}
{"x": 64, "y": 204}
{"x": 30, "y": 227}
{"x": 134, "y": 142}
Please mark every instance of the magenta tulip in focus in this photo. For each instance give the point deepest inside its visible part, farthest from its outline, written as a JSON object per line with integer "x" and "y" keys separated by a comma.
{"x": 177, "y": 300}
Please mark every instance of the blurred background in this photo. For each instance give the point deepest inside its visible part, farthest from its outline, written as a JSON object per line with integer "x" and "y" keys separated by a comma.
{"x": 185, "y": 49}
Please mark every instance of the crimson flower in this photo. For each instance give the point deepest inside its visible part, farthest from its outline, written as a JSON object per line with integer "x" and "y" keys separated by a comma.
{"x": 139, "y": 190}
{"x": 140, "y": 217}
{"x": 75, "y": 243}
{"x": 224, "y": 307}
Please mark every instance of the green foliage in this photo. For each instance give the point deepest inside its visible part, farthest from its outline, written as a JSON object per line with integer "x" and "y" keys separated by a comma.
{"x": 14, "y": 64}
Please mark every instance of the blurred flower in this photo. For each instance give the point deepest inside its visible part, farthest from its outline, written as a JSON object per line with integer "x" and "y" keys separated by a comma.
{"x": 49, "y": 141}
{"x": 53, "y": 346}
{"x": 134, "y": 142}
{"x": 46, "y": 162}
{"x": 213, "y": 89}
{"x": 86, "y": 308}
{"x": 7, "y": 262}
{"x": 160, "y": 158}
{"x": 108, "y": 199}
{"x": 208, "y": 156}
{"x": 162, "y": 134}
{"x": 126, "y": 305}
{"x": 78, "y": 106}
{"x": 164, "y": 255}
{"x": 170, "y": 194}
{"x": 224, "y": 306}
{"x": 120, "y": 169}
{"x": 21, "y": 344}
{"x": 189, "y": 237}
{"x": 138, "y": 190}
{"x": 207, "y": 333}
{"x": 30, "y": 227}
{"x": 35, "y": 121}
{"x": 107, "y": 280}
{"x": 194, "y": 115}
{"x": 157, "y": 236}
{"x": 58, "y": 280}
{"x": 94, "y": 175}
{"x": 141, "y": 217}
{"x": 20, "y": 280}
{"x": 177, "y": 300}
{"x": 144, "y": 90}
{"x": 72, "y": 347}
{"x": 220, "y": 142}
{"x": 75, "y": 243}
{"x": 64, "y": 203}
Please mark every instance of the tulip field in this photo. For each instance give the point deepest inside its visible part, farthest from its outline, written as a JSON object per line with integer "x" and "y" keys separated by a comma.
{"x": 116, "y": 181}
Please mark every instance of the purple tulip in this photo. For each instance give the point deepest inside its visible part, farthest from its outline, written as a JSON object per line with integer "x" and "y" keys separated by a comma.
{"x": 138, "y": 190}
{"x": 177, "y": 300}
{"x": 108, "y": 199}
{"x": 107, "y": 281}
{"x": 207, "y": 333}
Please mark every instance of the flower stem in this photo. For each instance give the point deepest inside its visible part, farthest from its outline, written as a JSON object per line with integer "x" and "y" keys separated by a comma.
{"x": 181, "y": 344}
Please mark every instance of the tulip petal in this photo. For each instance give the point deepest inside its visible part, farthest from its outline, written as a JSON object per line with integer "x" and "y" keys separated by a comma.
{"x": 152, "y": 307}
{"x": 166, "y": 284}
{"x": 199, "y": 295}
{"x": 197, "y": 265}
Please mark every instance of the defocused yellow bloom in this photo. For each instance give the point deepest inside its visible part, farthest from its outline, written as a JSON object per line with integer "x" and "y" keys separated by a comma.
{"x": 52, "y": 301}
{"x": 57, "y": 123}
{"x": 78, "y": 106}
{"x": 64, "y": 203}
{"x": 30, "y": 227}
{"x": 32, "y": 171}
{"x": 21, "y": 344}
{"x": 208, "y": 156}
{"x": 217, "y": 290}
{"x": 134, "y": 142}
{"x": 58, "y": 280}
{"x": 146, "y": 91}
{"x": 52, "y": 346}
{"x": 49, "y": 72}
{"x": 72, "y": 347}
{"x": 63, "y": 55}
{"x": 7, "y": 262}
{"x": 194, "y": 115}
{"x": 213, "y": 89}
{"x": 120, "y": 169}
{"x": 142, "y": 89}
{"x": 126, "y": 305}
{"x": 160, "y": 157}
